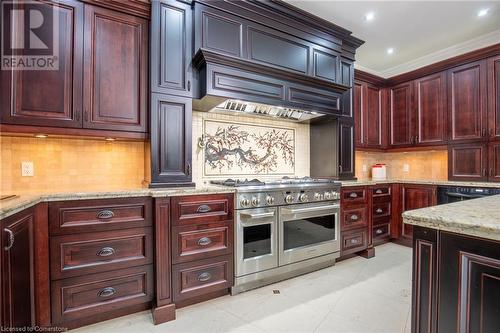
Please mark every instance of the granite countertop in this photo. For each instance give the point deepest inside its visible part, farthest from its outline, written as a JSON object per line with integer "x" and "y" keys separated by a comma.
{"x": 9, "y": 207}
{"x": 417, "y": 181}
{"x": 477, "y": 217}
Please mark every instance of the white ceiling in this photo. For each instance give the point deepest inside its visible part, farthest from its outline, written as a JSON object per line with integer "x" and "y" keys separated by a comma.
{"x": 421, "y": 32}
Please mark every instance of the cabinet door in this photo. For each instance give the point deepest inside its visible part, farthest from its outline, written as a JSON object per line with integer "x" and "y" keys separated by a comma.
{"x": 414, "y": 197}
{"x": 467, "y": 101}
{"x": 170, "y": 140}
{"x": 468, "y": 162}
{"x": 346, "y": 150}
{"x": 49, "y": 97}
{"x": 494, "y": 162}
{"x": 494, "y": 97}
{"x": 18, "y": 270}
{"x": 359, "y": 116}
{"x": 373, "y": 116}
{"x": 400, "y": 115}
{"x": 115, "y": 70}
{"x": 171, "y": 47}
{"x": 430, "y": 111}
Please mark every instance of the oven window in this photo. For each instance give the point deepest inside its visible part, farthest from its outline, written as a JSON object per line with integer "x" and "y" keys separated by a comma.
{"x": 256, "y": 240}
{"x": 310, "y": 231}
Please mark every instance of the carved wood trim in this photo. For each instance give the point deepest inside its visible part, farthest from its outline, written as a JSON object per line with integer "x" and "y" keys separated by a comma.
{"x": 419, "y": 245}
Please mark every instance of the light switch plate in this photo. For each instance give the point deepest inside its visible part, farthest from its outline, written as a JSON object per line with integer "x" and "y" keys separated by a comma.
{"x": 27, "y": 169}
{"x": 406, "y": 167}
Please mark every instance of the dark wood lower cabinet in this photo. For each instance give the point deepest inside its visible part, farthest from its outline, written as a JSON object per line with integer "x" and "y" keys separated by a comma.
{"x": 456, "y": 283}
{"x": 414, "y": 197}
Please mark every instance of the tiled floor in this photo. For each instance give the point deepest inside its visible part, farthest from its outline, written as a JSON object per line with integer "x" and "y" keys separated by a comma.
{"x": 355, "y": 295}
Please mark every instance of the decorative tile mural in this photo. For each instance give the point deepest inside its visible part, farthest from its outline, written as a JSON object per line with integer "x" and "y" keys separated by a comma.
{"x": 244, "y": 149}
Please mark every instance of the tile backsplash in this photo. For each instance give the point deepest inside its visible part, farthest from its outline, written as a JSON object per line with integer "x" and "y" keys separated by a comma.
{"x": 248, "y": 147}
{"x": 418, "y": 165}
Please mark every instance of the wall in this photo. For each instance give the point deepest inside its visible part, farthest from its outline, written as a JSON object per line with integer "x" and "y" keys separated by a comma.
{"x": 71, "y": 164}
{"x": 423, "y": 165}
{"x": 301, "y": 167}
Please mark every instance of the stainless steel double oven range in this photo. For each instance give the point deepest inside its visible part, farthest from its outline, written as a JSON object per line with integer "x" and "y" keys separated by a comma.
{"x": 284, "y": 228}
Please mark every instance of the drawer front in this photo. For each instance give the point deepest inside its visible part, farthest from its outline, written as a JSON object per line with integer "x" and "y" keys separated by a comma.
{"x": 67, "y": 217}
{"x": 381, "y": 231}
{"x": 381, "y": 191}
{"x": 79, "y": 254}
{"x": 354, "y": 195}
{"x": 382, "y": 220}
{"x": 354, "y": 241}
{"x": 86, "y": 296}
{"x": 194, "y": 242}
{"x": 202, "y": 209}
{"x": 381, "y": 209}
{"x": 354, "y": 217}
{"x": 201, "y": 277}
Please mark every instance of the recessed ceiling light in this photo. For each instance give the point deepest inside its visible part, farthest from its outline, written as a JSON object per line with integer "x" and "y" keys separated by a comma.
{"x": 483, "y": 12}
{"x": 390, "y": 50}
{"x": 369, "y": 16}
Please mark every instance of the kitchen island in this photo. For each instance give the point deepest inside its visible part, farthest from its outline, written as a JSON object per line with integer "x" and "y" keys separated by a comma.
{"x": 456, "y": 266}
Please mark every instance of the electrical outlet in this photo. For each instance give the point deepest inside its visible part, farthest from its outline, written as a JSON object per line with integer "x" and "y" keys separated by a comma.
{"x": 27, "y": 169}
{"x": 406, "y": 167}
{"x": 365, "y": 169}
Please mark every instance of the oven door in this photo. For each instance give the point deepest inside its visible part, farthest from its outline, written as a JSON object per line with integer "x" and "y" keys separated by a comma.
{"x": 307, "y": 231}
{"x": 256, "y": 240}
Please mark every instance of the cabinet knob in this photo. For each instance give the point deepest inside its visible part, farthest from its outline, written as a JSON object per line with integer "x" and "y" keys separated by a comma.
{"x": 354, "y": 217}
{"x": 105, "y": 214}
{"x": 106, "y": 292}
{"x": 106, "y": 252}
{"x": 204, "y": 276}
{"x": 378, "y": 191}
{"x": 379, "y": 231}
{"x": 11, "y": 239}
{"x": 204, "y": 241}
{"x": 353, "y": 195}
{"x": 378, "y": 210}
{"x": 203, "y": 209}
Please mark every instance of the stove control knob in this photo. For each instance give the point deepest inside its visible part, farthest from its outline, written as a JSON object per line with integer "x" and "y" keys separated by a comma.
{"x": 245, "y": 202}
{"x": 328, "y": 195}
{"x": 336, "y": 195}
{"x": 270, "y": 200}
{"x": 289, "y": 199}
{"x": 304, "y": 197}
{"x": 255, "y": 201}
{"x": 317, "y": 196}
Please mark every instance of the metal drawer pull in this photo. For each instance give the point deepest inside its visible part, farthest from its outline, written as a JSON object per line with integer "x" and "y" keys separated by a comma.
{"x": 379, "y": 210}
{"x": 353, "y": 195}
{"x": 106, "y": 292}
{"x": 11, "y": 239}
{"x": 105, "y": 214}
{"x": 204, "y": 241}
{"x": 354, "y": 241}
{"x": 354, "y": 217}
{"x": 204, "y": 277}
{"x": 203, "y": 209}
{"x": 378, "y": 191}
{"x": 379, "y": 231}
{"x": 106, "y": 252}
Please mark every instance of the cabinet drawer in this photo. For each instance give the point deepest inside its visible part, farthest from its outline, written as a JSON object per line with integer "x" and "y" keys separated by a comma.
{"x": 73, "y": 255}
{"x": 381, "y": 191}
{"x": 201, "y": 277}
{"x": 194, "y": 242}
{"x": 381, "y": 231}
{"x": 67, "y": 217}
{"x": 202, "y": 209}
{"x": 96, "y": 294}
{"x": 381, "y": 209}
{"x": 354, "y": 241}
{"x": 382, "y": 220}
{"x": 354, "y": 217}
{"x": 354, "y": 195}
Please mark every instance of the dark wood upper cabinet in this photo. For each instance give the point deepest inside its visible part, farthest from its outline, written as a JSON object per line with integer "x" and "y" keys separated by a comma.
{"x": 49, "y": 97}
{"x": 400, "y": 114}
{"x": 414, "y": 197}
{"x": 494, "y": 97}
{"x": 358, "y": 113}
{"x": 372, "y": 105}
{"x": 346, "y": 149}
{"x": 430, "y": 109}
{"x": 467, "y": 101}
{"x": 115, "y": 70}
{"x": 171, "y": 132}
{"x": 171, "y": 48}
{"x": 468, "y": 162}
{"x": 494, "y": 162}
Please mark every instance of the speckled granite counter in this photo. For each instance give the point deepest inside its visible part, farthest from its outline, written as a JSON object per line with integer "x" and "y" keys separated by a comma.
{"x": 478, "y": 217}
{"x": 11, "y": 206}
{"x": 423, "y": 182}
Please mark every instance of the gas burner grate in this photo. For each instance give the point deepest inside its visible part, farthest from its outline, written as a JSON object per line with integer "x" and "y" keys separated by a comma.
{"x": 238, "y": 182}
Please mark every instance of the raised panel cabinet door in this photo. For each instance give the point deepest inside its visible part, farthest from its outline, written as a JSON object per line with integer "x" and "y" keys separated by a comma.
{"x": 414, "y": 197}
{"x": 373, "y": 116}
{"x": 171, "y": 47}
{"x": 468, "y": 162}
{"x": 49, "y": 97}
{"x": 115, "y": 71}
{"x": 430, "y": 109}
{"x": 18, "y": 270}
{"x": 494, "y": 162}
{"x": 346, "y": 150}
{"x": 467, "y": 101}
{"x": 494, "y": 97}
{"x": 171, "y": 140}
{"x": 400, "y": 112}
{"x": 359, "y": 113}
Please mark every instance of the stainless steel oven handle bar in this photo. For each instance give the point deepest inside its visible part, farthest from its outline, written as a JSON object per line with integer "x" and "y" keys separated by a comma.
{"x": 309, "y": 209}
{"x": 257, "y": 215}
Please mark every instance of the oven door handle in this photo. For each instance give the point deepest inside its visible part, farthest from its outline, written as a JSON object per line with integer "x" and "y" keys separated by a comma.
{"x": 461, "y": 195}
{"x": 257, "y": 215}
{"x": 291, "y": 211}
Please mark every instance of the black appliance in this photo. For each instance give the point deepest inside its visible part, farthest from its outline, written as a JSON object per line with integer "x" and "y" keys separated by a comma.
{"x": 449, "y": 194}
